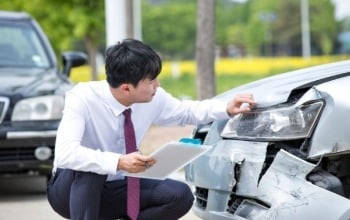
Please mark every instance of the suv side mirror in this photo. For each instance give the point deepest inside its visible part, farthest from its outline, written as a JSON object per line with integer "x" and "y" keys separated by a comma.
{"x": 72, "y": 59}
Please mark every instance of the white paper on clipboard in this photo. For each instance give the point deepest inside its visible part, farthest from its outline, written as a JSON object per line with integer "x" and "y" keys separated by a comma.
{"x": 169, "y": 158}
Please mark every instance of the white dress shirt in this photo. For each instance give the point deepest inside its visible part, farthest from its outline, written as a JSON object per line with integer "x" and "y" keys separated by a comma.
{"x": 91, "y": 136}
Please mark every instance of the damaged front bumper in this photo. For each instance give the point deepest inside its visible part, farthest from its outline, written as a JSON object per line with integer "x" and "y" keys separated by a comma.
{"x": 231, "y": 182}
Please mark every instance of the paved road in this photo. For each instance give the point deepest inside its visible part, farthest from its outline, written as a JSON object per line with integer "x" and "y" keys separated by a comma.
{"x": 24, "y": 198}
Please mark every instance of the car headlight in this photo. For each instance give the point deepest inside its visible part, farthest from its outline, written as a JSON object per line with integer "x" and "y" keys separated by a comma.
{"x": 39, "y": 108}
{"x": 283, "y": 123}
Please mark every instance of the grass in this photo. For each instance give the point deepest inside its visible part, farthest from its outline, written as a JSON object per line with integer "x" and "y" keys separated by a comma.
{"x": 184, "y": 86}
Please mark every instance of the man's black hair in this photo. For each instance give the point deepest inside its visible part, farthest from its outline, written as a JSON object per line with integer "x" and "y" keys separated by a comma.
{"x": 130, "y": 62}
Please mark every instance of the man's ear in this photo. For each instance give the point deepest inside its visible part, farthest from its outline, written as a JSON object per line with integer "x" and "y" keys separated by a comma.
{"x": 125, "y": 87}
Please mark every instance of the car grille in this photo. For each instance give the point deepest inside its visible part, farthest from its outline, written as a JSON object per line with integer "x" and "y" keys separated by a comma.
{"x": 4, "y": 104}
{"x": 18, "y": 154}
{"x": 201, "y": 195}
{"x": 233, "y": 204}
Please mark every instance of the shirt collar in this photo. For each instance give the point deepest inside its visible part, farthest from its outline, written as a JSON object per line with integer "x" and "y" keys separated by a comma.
{"x": 112, "y": 102}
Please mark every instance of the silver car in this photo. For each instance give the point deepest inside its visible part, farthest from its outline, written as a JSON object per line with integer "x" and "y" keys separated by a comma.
{"x": 287, "y": 159}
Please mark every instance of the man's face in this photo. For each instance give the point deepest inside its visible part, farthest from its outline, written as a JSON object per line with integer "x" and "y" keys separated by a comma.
{"x": 144, "y": 91}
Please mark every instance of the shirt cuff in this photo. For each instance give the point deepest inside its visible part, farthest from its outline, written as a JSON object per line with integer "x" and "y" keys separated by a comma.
{"x": 110, "y": 162}
{"x": 220, "y": 109}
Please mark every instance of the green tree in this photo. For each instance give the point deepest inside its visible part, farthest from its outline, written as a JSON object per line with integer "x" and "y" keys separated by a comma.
{"x": 170, "y": 28}
{"x": 285, "y": 28}
{"x": 230, "y": 20}
{"x": 324, "y": 30}
{"x": 255, "y": 29}
{"x": 87, "y": 17}
{"x": 49, "y": 18}
{"x": 67, "y": 22}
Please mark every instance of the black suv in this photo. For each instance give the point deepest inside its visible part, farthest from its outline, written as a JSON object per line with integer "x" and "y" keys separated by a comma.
{"x": 32, "y": 92}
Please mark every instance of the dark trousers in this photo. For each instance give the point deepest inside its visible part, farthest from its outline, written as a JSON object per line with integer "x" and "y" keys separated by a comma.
{"x": 84, "y": 195}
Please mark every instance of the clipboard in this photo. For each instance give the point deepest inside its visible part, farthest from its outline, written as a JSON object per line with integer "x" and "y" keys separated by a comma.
{"x": 170, "y": 158}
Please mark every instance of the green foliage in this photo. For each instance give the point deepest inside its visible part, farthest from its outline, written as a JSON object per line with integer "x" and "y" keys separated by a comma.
{"x": 66, "y": 21}
{"x": 229, "y": 19}
{"x": 170, "y": 28}
{"x": 87, "y": 18}
{"x": 287, "y": 25}
{"x": 254, "y": 37}
{"x": 284, "y": 27}
{"x": 323, "y": 30}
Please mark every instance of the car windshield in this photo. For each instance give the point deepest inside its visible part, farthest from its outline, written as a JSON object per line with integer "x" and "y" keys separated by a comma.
{"x": 20, "y": 46}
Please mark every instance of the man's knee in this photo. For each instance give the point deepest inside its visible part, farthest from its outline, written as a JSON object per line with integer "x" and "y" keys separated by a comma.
{"x": 182, "y": 200}
{"x": 71, "y": 187}
{"x": 182, "y": 196}
{"x": 58, "y": 191}
{"x": 187, "y": 197}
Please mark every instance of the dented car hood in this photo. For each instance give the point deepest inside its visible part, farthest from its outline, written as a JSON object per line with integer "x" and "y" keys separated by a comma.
{"x": 276, "y": 89}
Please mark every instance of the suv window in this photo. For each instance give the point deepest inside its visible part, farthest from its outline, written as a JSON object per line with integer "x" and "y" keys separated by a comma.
{"x": 20, "y": 46}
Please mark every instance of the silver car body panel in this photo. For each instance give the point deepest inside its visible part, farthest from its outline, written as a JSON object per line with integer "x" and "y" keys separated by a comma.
{"x": 285, "y": 189}
{"x": 284, "y": 186}
{"x": 331, "y": 136}
{"x": 222, "y": 158}
{"x": 276, "y": 89}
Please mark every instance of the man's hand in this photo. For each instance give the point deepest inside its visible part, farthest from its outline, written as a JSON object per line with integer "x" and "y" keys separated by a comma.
{"x": 235, "y": 105}
{"x": 135, "y": 162}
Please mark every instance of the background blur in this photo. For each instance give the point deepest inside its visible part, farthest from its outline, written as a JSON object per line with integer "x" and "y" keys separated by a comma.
{"x": 253, "y": 38}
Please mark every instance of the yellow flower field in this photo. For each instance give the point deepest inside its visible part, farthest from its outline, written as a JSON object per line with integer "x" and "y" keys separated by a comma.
{"x": 254, "y": 65}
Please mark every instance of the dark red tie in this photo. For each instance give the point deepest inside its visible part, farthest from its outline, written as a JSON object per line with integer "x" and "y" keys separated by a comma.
{"x": 133, "y": 200}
